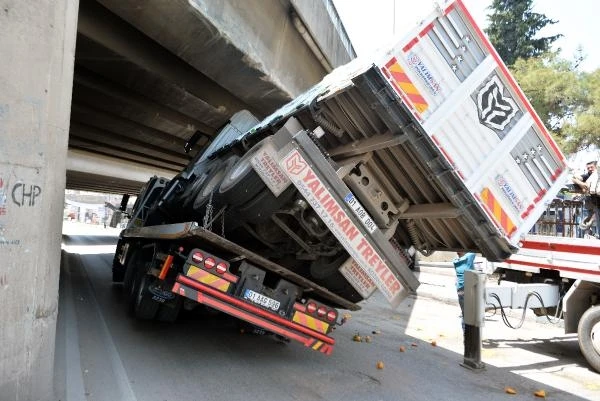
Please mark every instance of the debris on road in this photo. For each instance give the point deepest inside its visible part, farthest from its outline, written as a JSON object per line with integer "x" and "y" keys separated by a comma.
{"x": 540, "y": 393}
{"x": 380, "y": 365}
{"x": 510, "y": 390}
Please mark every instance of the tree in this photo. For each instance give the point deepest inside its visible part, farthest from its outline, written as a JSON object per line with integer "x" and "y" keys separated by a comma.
{"x": 513, "y": 27}
{"x": 568, "y": 101}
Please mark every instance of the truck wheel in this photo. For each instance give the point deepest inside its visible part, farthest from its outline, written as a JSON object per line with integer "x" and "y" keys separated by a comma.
{"x": 588, "y": 334}
{"x": 189, "y": 194}
{"x": 131, "y": 267}
{"x": 211, "y": 186}
{"x": 241, "y": 183}
{"x": 144, "y": 307}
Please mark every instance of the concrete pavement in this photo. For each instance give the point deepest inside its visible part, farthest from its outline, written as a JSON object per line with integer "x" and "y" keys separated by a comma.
{"x": 102, "y": 354}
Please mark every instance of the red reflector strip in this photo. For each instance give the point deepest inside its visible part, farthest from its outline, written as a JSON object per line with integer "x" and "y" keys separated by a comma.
{"x": 426, "y": 30}
{"x": 299, "y": 307}
{"x": 410, "y": 44}
{"x": 253, "y": 309}
{"x": 265, "y": 323}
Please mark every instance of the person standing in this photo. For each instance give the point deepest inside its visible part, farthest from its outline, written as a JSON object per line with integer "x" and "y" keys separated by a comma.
{"x": 464, "y": 261}
{"x": 590, "y": 185}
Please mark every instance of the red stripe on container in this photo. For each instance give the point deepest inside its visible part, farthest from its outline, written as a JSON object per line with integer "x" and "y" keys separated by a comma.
{"x": 551, "y": 267}
{"x": 410, "y": 44}
{"x": 426, "y": 30}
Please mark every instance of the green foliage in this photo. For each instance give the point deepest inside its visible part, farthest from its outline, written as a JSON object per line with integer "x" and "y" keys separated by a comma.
{"x": 513, "y": 27}
{"x": 567, "y": 101}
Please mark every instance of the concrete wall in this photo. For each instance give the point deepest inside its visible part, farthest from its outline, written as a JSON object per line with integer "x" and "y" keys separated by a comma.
{"x": 326, "y": 28}
{"x": 37, "y": 44}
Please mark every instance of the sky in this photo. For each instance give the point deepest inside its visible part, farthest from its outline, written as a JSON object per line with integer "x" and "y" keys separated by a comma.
{"x": 372, "y": 21}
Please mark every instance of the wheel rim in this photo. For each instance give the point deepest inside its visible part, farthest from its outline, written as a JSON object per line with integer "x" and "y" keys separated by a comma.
{"x": 595, "y": 337}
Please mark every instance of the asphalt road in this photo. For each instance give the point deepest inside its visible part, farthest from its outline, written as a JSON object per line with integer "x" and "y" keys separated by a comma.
{"x": 103, "y": 354}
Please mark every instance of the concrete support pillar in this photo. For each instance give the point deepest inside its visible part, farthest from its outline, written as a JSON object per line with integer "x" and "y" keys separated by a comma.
{"x": 37, "y": 44}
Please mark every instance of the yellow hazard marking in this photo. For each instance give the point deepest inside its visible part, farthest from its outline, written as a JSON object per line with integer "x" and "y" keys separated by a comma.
{"x": 495, "y": 208}
{"x": 310, "y": 322}
{"x": 208, "y": 278}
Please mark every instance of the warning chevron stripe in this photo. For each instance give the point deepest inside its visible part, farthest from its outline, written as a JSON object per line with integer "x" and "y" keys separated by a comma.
{"x": 310, "y": 322}
{"x": 208, "y": 278}
{"x": 403, "y": 82}
{"x": 488, "y": 198}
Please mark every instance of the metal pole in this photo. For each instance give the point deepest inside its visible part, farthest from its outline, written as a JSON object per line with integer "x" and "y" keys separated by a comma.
{"x": 473, "y": 318}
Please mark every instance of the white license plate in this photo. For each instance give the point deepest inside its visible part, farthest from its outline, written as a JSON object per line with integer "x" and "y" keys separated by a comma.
{"x": 262, "y": 300}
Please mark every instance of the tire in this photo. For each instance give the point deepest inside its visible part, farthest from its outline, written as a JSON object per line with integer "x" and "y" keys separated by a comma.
{"x": 130, "y": 271}
{"x": 144, "y": 307}
{"x": 588, "y": 335}
{"x": 210, "y": 187}
{"x": 241, "y": 183}
{"x": 203, "y": 172}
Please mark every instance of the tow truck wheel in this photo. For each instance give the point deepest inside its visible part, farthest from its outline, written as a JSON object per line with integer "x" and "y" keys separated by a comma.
{"x": 588, "y": 334}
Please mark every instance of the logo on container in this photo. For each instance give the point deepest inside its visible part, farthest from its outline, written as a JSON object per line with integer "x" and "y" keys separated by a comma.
{"x": 509, "y": 192}
{"x": 415, "y": 62}
{"x": 495, "y": 108}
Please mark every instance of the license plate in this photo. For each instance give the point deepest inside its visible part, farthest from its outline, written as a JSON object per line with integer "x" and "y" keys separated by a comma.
{"x": 262, "y": 300}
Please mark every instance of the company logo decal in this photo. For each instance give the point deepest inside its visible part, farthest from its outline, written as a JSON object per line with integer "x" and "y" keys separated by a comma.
{"x": 510, "y": 194}
{"x": 295, "y": 164}
{"x": 496, "y": 109}
{"x": 415, "y": 62}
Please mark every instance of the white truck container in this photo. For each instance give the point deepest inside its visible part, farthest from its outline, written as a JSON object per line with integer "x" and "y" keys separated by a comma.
{"x": 428, "y": 146}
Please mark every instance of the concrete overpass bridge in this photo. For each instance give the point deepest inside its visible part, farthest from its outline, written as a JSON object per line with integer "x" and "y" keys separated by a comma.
{"x": 99, "y": 95}
{"x": 148, "y": 74}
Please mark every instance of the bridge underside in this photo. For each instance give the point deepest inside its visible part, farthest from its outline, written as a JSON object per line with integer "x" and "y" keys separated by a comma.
{"x": 150, "y": 73}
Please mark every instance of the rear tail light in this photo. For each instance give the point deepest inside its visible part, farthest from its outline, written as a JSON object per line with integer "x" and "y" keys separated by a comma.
{"x": 221, "y": 267}
{"x": 209, "y": 263}
{"x": 331, "y": 315}
{"x": 311, "y": 307}
{"x": 197, "y": 257}
{"x": 322, "y": 311}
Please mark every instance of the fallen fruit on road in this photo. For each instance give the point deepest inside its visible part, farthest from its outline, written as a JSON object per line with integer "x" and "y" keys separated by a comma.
{"x": 380, "y": 365}
{"x": 402, "y": 348}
